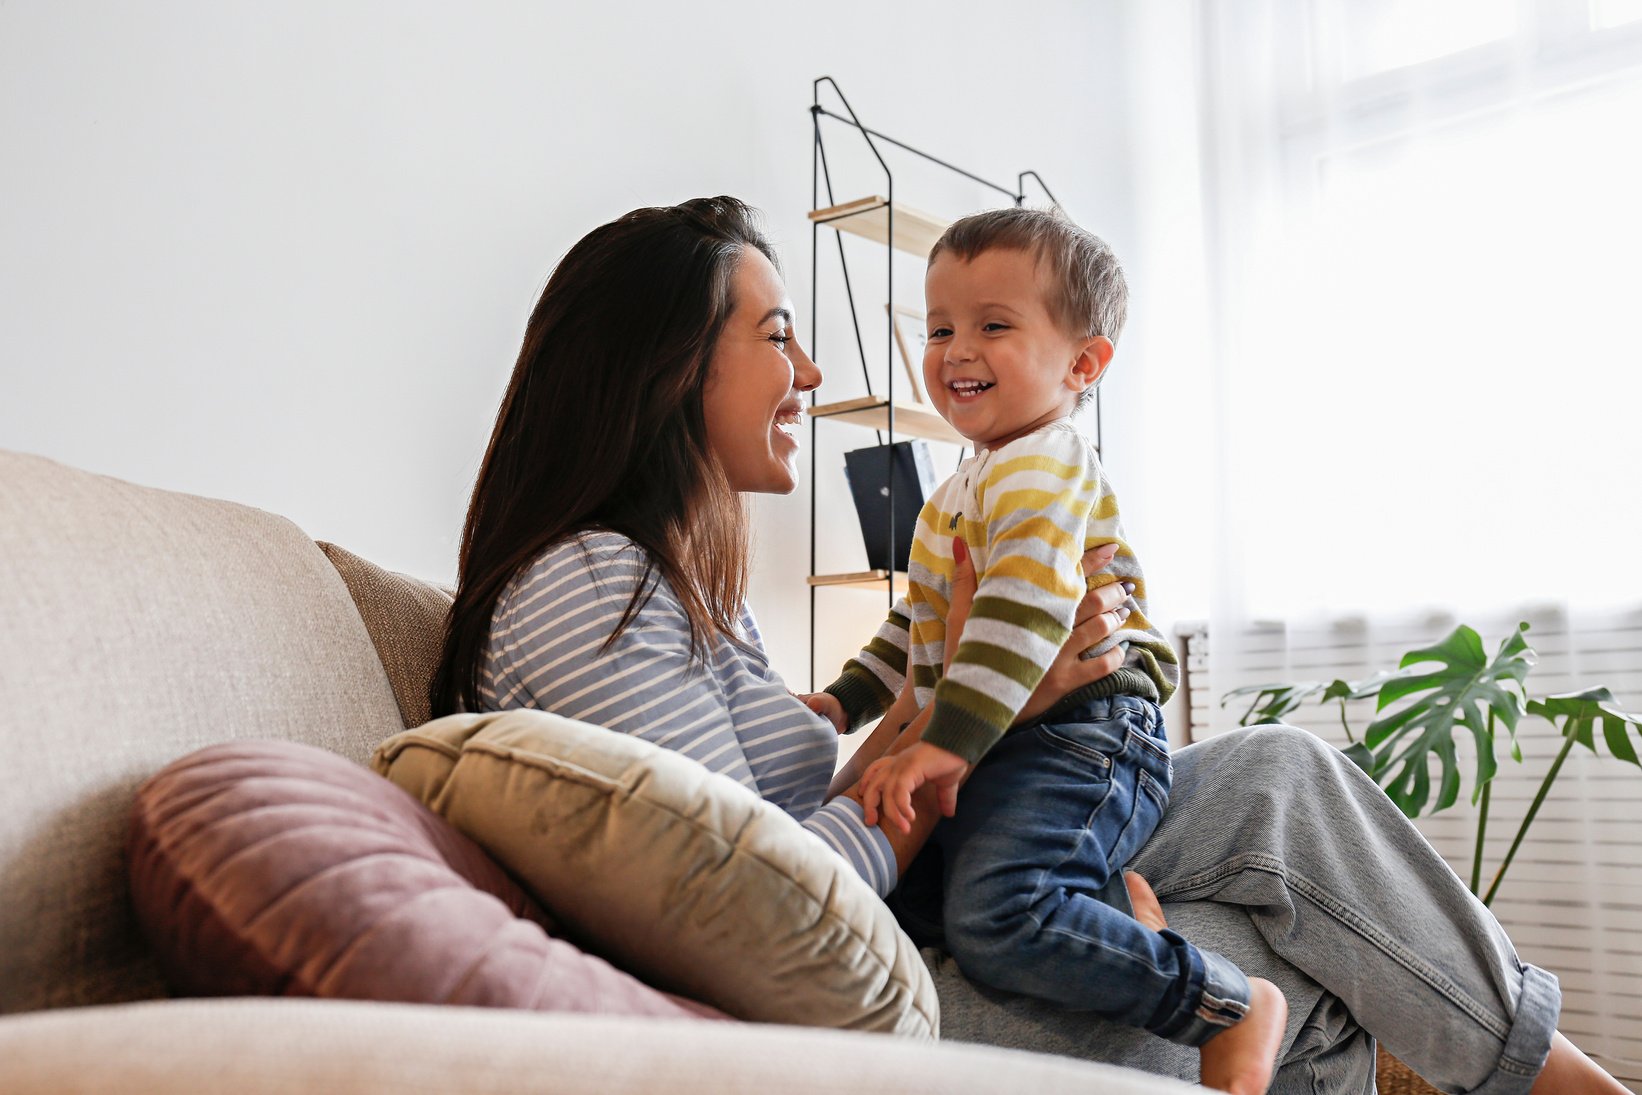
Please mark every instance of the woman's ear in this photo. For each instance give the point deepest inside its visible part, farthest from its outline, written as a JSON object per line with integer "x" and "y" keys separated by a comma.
{"x": 1090, "y": 364}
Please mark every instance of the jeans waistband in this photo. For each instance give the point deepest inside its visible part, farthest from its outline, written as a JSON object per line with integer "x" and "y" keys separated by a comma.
{"x": 1078, "y": 707}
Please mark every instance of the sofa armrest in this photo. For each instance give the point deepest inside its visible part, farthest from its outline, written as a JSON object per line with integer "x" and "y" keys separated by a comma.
{"x": 252, "y": 1046}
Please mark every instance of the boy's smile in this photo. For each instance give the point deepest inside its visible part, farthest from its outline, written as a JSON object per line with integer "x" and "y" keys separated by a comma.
{"x": 998, "y": 365}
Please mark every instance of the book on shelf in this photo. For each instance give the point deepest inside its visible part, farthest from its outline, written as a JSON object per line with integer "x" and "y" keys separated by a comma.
{"x": 870, "y": 479}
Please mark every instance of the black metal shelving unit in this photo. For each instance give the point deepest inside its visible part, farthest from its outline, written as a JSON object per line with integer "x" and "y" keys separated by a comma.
{"x": 897, "y": 227}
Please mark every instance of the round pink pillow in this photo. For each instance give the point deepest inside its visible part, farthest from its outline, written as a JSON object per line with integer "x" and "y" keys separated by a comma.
{"x": 268, "y": 868}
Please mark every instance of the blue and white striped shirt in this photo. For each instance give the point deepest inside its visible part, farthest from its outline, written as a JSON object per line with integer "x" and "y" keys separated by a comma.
{"x": 731, "y": 713}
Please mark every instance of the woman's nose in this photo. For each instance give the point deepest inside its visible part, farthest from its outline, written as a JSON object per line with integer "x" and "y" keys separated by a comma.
{"x": 806, "y": 374}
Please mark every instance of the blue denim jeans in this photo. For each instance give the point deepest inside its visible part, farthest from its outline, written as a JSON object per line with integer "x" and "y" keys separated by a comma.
{"x": 1032, "y": 899}
{"x": 1279, "y": 853}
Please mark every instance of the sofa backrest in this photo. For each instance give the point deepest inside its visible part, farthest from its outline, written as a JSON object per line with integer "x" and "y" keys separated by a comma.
{"x": 137, "y": 625}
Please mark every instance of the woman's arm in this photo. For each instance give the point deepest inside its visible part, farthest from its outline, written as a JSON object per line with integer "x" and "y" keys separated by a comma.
{"x": 552, "y": 651}
{"x": 905, "y": 845}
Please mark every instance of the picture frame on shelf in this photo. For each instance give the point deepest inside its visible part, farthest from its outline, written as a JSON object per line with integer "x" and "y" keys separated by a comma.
{"x": 910, "y": 336}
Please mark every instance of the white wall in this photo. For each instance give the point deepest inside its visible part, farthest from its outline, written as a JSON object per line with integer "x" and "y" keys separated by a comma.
{"x": 284, "y": 253}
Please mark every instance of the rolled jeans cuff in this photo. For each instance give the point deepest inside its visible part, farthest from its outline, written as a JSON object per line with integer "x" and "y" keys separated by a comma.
{"x": 1529, "y": 1042}
{"x": 1216, "y": 996}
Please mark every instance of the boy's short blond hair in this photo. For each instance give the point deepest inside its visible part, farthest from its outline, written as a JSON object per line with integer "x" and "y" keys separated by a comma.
{"x": 1088, "y": 294}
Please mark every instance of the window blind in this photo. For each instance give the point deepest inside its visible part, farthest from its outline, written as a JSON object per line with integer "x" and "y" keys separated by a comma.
{"x": 1572, "y": 899}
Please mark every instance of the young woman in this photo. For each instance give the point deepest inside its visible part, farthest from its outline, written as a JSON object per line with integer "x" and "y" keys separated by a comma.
{"x": 603, "y": 576}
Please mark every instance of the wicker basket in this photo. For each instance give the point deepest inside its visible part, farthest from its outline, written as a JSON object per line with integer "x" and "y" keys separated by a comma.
{"x": 1393, "y": 1077}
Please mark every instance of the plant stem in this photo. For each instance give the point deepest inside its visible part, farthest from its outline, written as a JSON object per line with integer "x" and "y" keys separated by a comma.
{"x": 1544, "y": 789}
{"x": 1482, "y": 831}
{"x": 1482, "y": 816}
{"x": 1351, "y": 738}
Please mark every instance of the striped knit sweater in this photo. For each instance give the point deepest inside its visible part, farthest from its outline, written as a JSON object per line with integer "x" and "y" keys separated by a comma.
{"x": 1027, "y": 512}
{"x": 731, "y": 712}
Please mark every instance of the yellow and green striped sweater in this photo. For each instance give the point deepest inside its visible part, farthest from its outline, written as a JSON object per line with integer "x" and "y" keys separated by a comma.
{"x": 1027, "y": 512}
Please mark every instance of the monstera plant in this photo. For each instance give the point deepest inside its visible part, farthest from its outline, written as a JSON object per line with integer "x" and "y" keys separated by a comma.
{"x": 1433, "y": 696}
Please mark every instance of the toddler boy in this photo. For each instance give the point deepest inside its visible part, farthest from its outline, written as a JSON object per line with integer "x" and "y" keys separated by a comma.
{"x": 1023, "y": 310}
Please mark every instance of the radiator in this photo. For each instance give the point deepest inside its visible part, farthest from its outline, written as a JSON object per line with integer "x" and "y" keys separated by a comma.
{"x": 1572, "y": 900}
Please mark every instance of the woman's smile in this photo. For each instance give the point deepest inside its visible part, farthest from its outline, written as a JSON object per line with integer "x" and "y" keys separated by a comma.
{"x": 757, "y": 375}
{"x": 789, "y": 422}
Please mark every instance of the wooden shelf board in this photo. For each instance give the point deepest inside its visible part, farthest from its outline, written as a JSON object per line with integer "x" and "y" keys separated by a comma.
{"x": 915, "y": 231}
{"x": 911, "y": 419}
{"x": 861, "y": 579}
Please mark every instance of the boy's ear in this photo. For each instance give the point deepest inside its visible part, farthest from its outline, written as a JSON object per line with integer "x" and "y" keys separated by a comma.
{"x": 1090, "y": 364}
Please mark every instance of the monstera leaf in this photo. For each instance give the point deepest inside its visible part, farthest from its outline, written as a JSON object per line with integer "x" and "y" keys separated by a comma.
{"x": 1578, "y": 714}
{"x": 1466, "y": 688}
{"x": 1427, "y": 706}
{"x": 1272, "y": 701}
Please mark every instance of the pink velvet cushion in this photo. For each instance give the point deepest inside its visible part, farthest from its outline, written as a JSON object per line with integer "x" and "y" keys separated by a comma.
{"x": 271, "y": 868}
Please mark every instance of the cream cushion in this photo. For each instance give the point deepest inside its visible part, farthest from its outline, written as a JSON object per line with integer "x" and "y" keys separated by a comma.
{"x": 676, "y": 874}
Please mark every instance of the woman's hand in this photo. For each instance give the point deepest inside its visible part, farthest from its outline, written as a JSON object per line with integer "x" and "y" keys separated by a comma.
{"x": 1100, "y": 614}
{"x": 827, "y": 706}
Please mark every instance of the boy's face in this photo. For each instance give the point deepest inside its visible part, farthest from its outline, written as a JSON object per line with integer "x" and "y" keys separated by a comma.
{"x": 998, "y": 365}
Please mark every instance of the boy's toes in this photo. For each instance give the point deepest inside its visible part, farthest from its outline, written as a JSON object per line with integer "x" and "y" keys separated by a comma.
{"x": 1148, "y": 910}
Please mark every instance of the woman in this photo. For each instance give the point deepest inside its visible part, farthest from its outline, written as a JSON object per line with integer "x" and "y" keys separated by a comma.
{"x": 603, "y": 576}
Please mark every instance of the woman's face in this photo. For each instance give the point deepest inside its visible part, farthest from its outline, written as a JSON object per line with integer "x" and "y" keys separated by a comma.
{"x": 753, "y": 402}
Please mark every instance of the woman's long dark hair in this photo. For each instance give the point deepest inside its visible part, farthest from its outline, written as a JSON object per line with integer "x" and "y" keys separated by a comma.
{"x": 602, "y": 427}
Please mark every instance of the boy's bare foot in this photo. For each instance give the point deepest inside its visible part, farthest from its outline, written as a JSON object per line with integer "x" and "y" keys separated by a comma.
{"x": 1241, "y": 1058}
{"x": 1147, "y": 909}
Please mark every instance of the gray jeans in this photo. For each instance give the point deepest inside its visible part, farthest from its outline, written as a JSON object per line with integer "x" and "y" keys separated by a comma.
{"x": 1279, "y": 853}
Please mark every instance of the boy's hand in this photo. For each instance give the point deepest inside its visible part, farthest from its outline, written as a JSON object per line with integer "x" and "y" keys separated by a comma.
{"x": 890, "y": 781}
{"x": 827, "y": 706}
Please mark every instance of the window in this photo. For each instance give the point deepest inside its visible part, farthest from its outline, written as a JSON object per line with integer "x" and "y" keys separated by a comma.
{"x": 1431, "y": 272}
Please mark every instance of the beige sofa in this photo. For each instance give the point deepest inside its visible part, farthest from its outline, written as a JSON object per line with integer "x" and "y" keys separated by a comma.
{"x": 137, "y": 625}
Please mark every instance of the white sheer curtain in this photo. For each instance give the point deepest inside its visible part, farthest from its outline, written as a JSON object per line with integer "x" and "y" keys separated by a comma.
{"x": 1428, "y": 224}
{"x": 1397, "y": 313}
